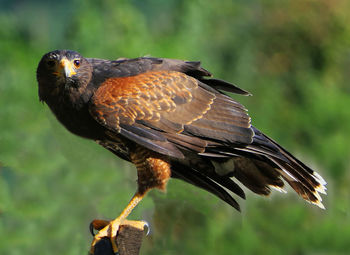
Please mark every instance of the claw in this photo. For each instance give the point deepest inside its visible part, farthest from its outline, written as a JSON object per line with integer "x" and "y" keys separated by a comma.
{"x": 97, "y": 225}
{"x": 146, "y": 224}
{"x": 91, "y": 228}
{"x": 110, "y": 229}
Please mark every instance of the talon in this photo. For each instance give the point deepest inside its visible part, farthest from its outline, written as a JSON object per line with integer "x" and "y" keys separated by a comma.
{"x": 110, "y": 229}
{"x": 97, "y": 225}
{"x": 91, "y": 228}
{"x": 146, "y": 224}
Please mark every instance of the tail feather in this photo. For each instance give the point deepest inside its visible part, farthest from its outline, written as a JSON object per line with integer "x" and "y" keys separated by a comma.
{"x": 257, "y": 176}
{"x": 306, "y": 182}
{"x": 302, "y": 186}
{"x": 228, "y": 183}
{"x": 264, "y": 164}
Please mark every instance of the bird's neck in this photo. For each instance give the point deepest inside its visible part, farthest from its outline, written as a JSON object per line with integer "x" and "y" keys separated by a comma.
{"x": 72, "y": 111}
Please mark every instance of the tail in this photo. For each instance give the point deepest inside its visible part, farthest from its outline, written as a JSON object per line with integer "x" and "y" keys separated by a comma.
{"x": 269, "y": 163}
{"x": 260, "y": 166}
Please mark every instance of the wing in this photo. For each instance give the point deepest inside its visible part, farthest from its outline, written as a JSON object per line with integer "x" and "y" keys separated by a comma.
{"x": 124, "y": 67}
{"x": 169, "y": 111}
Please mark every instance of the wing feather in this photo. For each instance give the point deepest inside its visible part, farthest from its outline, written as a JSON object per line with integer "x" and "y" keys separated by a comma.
{"x": 169, "y": 102}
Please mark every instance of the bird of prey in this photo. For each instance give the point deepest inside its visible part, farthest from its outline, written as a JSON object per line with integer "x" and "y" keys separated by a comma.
{"x": 170, "y": 119}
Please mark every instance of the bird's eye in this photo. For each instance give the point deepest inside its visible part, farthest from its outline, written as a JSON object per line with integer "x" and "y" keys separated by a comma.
{"x": 50, "y": 63}
{"x": 76, "y": 63}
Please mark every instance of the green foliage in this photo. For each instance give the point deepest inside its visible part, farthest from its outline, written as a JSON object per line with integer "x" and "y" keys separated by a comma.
{"x": 293, "y": 55}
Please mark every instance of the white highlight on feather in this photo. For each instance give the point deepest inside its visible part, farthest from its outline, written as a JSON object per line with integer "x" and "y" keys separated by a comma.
{"x": 319, "y": 178}
{"x": 319, "y": 198}
{"x": 289, "y": 174}
{"x": 282, "y": 190}
{"x": 319, "y": 204}
{"x": 283, "y": 171}
{"x": 322, "y": 187}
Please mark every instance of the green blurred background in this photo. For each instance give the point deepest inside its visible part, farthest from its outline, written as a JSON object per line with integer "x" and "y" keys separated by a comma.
{"x": 292, "y": 55}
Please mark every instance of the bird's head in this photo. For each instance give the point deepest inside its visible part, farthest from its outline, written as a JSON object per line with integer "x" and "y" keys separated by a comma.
{"x": 62, "y": 71}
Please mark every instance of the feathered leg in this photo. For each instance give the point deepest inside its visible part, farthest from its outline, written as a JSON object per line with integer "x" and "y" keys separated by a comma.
{"x": 153, "y": 171}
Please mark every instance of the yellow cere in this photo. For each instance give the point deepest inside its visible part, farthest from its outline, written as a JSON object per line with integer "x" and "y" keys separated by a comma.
{"x": 65, "y": 67}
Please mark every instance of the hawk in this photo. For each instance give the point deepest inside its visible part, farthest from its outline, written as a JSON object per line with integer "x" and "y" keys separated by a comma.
{"x": 170, "y": 119}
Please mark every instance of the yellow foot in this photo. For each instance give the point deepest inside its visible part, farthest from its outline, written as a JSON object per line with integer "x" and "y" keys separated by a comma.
{"x": 110, "y": 231}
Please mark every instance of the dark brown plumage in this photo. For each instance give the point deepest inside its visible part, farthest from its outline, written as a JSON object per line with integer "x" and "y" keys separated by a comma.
{"x": 169, "y": 119}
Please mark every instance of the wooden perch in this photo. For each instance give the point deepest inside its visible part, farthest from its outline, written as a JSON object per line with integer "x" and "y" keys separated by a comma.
{"x": 129, "y": 240}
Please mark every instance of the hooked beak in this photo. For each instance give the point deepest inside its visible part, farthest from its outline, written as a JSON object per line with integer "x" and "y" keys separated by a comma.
{"x": 65, "y": 68}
